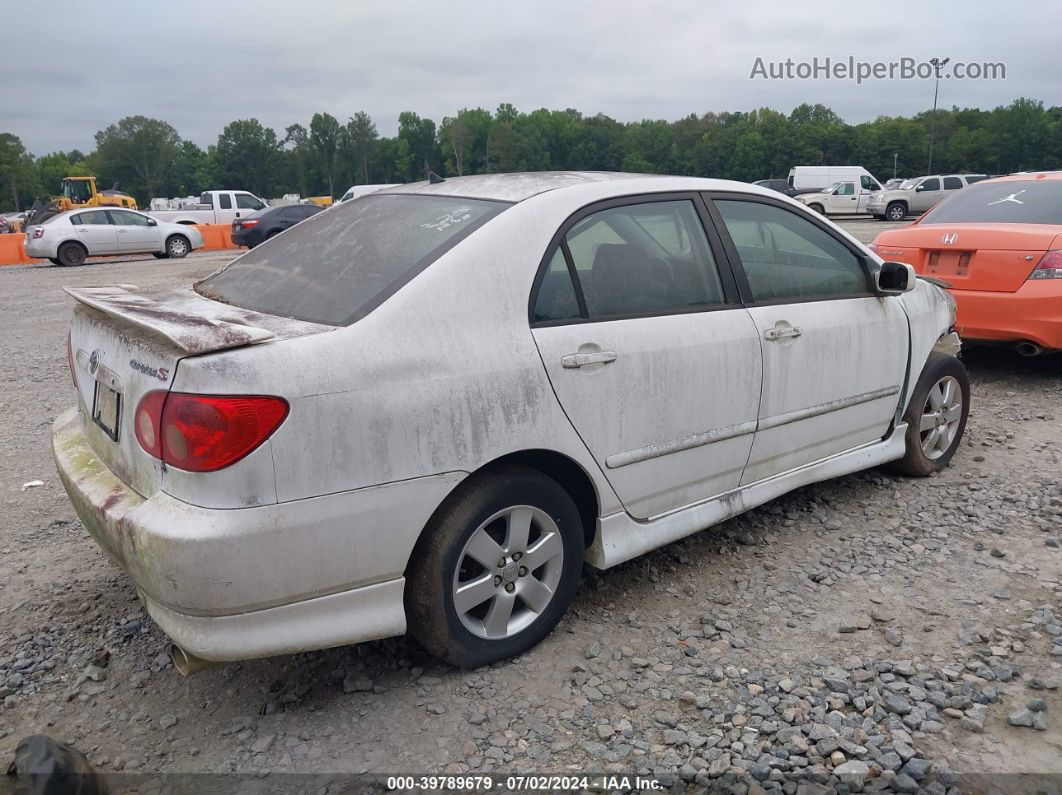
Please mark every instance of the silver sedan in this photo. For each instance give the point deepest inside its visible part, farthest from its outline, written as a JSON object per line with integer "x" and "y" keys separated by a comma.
{"x": 71, "y": 237}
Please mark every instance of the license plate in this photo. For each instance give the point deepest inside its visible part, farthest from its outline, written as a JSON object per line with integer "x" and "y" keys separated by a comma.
{"x": 948, "y": 263}
{"x": 106, "y": 409}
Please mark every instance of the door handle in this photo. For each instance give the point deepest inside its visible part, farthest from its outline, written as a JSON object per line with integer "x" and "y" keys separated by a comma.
{"x": 573, "y": 360}
{"x": 122, "y": 231}
{"x": 781, "y": 332}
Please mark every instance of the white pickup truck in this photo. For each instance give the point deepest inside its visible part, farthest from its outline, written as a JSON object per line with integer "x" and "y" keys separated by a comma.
{"x": 215, "y": 207}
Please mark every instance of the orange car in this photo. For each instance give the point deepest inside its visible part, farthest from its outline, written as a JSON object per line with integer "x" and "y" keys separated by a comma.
{"x": 998, "y": 246}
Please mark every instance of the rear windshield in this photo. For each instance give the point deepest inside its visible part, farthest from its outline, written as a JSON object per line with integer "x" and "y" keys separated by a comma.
{"x": 339, "y": 265}
{"x": 1024, "y": 202}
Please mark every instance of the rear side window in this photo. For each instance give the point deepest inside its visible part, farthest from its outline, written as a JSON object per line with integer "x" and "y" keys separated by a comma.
{"x": 636, "y": 259}
{"x": 82, "y": 219}
{"x": 225, "y": 201}
{"x": 952, "y": 183}
{"x": 787, "y": 257}
{"x": 338, "y": 266}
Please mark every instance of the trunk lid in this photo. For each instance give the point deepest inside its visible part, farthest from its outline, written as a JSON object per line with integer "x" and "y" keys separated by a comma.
{"x": 989, "y": 257}
{"x": 124, "y": 344}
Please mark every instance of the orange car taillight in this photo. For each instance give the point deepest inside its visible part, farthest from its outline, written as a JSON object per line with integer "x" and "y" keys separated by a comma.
{"x": 1050, "y": 265}
{"x": 205, "y": 433}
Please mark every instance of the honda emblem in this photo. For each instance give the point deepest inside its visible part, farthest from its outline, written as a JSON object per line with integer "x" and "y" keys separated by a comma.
{"x": 950, "y": 240}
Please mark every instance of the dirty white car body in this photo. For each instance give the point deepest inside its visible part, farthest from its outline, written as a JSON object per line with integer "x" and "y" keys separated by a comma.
{"x": 657, "y": 424}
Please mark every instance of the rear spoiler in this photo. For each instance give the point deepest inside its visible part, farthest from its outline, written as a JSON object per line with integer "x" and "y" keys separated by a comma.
{"x": 182, "y": 319}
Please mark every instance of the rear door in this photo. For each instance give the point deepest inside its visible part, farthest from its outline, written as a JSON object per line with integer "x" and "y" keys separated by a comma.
{"x": 649, "y": 352}
{"x": 136, "y": 233}
{"x": 834, "y": 354}
{"x": 95, "y": 231}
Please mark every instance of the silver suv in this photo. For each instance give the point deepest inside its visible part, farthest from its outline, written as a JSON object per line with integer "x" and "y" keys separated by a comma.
{"x": 917, "y": 195}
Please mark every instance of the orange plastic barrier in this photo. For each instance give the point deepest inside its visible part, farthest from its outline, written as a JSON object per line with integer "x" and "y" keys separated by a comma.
{"x": 216, "y": 237}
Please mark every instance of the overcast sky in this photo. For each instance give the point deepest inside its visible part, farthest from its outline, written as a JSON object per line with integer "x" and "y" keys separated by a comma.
{"x": 199, "y": 65}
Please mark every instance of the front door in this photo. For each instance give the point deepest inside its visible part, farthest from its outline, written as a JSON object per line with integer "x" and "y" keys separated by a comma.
{"x": 926, "y": 195}
{"x": 136, "y": 233}
{"x": 834, "y": 354}
{"x": 844, "y": 200}
{"x": 652, "y": 359}
{"x": 95, "y": 230}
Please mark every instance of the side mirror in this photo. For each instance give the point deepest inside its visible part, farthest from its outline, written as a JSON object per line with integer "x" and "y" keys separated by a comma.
{"x": 152, "y": 222}
{"x": 895, "y": 278}
{"x": 919, "y": 188}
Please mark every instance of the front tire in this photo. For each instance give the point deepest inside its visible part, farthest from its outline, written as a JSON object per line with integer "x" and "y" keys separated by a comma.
{"x": 818, "y": 208}
{"x": 71, "y": 255}
{"x": 936, "y": 416}
{"x": 896, "y": 211}
{"x": 177, "y": 246}
{"x": 496, "y": 568}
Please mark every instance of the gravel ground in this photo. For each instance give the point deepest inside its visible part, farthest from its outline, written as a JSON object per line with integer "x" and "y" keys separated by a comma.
{"x": 867, "y": 633}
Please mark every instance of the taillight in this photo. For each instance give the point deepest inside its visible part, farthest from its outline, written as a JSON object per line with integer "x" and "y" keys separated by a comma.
{"x": 1050, "y": 266}
{"x": 70, "y": 360}
{"x": 247, "y": 224}
{"x": 205, "y": 433}
{"x": 38, "y": 231}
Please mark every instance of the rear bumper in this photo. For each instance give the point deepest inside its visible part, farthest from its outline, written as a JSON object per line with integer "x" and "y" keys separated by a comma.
{"x": 251, "y": 582}
{"x": 1033, "y": 313}
{"x": 39, "y": 248}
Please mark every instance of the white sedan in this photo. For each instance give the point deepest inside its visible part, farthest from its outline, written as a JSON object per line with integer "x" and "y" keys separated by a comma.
{"x": 71, "y": 237}
{"x": 426, "y": 409}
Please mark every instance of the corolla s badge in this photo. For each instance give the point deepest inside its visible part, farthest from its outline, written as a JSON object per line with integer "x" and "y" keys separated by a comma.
{"x": 160, "y": 373}
{"x": 950, "y": 240}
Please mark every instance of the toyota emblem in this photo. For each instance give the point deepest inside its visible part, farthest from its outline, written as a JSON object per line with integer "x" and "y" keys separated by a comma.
{"x": 94, "y": 361}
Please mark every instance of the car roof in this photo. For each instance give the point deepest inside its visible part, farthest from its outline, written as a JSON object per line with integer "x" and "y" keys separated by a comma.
{"x": 1028, "y": 177}
{"x": 518, "y": 187}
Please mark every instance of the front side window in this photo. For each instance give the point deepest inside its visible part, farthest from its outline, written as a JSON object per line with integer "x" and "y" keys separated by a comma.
{"x": 845, "y": 189}
{"x": 640, "y": 259}
{"x": 952, "y": 183}
{"x": 245, "y": 201}
{"x": 337, "y": 266}
{"x": 931, "y": 184}
{"x": 123, "y": 218}
{"x": 787, "y": 257}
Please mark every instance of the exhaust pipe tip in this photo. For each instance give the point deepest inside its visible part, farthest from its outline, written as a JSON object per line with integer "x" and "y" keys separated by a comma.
{"x": 1028, "y": 349}
{"x": 185, "y": 663}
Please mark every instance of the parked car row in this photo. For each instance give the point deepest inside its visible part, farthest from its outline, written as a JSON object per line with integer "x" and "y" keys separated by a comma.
{"x": 426, "y": 408}
{"x": 915, "y": 196}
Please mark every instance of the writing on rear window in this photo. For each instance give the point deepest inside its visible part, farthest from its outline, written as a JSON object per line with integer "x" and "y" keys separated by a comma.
{"x": 447, "y": 220}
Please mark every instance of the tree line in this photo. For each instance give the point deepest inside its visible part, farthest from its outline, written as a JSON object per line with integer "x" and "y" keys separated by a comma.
{"x": 148, "y": 158}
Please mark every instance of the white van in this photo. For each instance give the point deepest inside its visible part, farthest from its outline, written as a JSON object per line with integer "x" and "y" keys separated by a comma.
{"x": 805, "y": 179}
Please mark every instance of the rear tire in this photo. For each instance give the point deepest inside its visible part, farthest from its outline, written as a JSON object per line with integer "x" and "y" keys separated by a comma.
{"x": 936, "y": 416}
{"x": 896, "y": 211}
{"x": 468, "y": 598}
{"x": 71, "y": 255}
{"x": 177, "y": 246}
